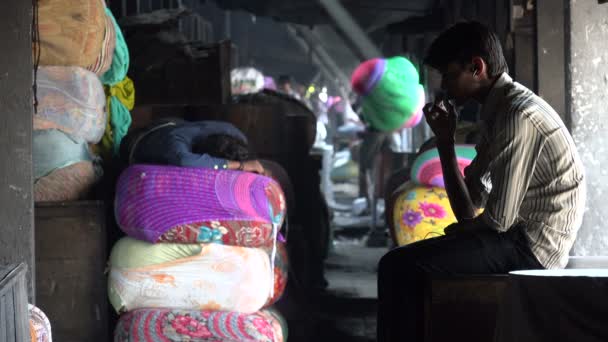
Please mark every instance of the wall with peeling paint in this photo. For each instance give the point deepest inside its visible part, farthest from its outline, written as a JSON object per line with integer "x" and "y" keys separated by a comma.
{"x": 16, "y": 183}
{"x": 589, "y": 108}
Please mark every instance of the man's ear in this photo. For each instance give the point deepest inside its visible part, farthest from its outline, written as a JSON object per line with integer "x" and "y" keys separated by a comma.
{"x": 479, "y": 66}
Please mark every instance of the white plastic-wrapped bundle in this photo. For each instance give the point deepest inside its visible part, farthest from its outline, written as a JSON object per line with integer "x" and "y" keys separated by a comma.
{"x": 246, "y": 81}
{"x": 189, "y": 276}
{"x": 71, "y": 99}
{"x": 40, "y": 327}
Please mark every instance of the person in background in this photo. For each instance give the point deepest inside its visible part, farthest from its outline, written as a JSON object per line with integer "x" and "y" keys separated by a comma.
{"x": 286, "y": 85}
{"x": 206, "y": 144}
{"x": 527, "y": 176}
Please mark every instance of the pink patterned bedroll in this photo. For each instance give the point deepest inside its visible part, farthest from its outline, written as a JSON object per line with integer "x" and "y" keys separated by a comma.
{"x": 151, "y": 325}
{"x": 193, "y": 205}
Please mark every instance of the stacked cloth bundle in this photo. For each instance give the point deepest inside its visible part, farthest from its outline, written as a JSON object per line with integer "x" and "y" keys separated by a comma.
{"x": 422, "y": 209}
{"x": 391, "y": 95}
{"x": 201, "y": 261}
{"x": 77, "y": 46}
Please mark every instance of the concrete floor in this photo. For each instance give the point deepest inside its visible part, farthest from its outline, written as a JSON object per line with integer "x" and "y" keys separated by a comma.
{"x": 346, "y": 309}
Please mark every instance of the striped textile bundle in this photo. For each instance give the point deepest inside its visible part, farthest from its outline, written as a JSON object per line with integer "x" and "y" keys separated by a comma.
{"x": 151, "y": 325}
{"x": 193, "y": 205}
{"x": 426, "y": 169}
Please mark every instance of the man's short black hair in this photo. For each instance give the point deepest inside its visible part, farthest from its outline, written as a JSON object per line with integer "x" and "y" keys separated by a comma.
{"x": 223, "y": 146}
{"x": 463, "y": 41}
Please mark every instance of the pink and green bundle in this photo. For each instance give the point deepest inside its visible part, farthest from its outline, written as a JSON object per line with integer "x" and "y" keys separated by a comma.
{"x": 426, "y": 169}
{"x": 194, "y": 205}
{"x": 392, "y": 97}
{"x": 152, "y": 325}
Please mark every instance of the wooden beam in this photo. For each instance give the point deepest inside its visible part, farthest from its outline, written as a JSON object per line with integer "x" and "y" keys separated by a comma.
{"x": 434, "y": 22}
{"x": 16, "y": 183}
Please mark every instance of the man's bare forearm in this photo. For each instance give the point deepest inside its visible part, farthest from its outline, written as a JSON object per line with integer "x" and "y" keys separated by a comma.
{"x": 458, "y": 194}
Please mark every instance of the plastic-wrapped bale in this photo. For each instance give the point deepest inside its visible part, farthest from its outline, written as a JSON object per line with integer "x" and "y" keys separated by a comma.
{"x": 390, "y": 92}
{"x": 246, "y": 81}
{"x": 195, "y": 205}
{"x": 72, "y": 32}
{"x": 40, "y": 327}
{"x": 72, "y": 100}
{"x": 189, "y": 276}
{"x": 151, "y": 325}
{"x": 426, "y": 169}
{"x": 70, "y": 183}
{"x": 64, "y": 169}
{"x": 420, "y": 213}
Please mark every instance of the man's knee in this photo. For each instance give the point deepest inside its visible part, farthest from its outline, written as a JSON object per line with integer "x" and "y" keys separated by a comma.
{"x": 398, "y": 258}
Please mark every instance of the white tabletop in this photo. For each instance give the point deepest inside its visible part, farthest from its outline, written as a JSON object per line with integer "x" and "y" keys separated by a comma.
{"x": 583, "y": 272}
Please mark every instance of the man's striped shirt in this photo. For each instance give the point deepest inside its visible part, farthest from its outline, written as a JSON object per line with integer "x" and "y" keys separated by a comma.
{"x": 527, "y": 169}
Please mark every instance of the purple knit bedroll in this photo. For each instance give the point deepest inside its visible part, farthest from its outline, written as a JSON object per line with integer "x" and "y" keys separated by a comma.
{"x": 193, "y": 205}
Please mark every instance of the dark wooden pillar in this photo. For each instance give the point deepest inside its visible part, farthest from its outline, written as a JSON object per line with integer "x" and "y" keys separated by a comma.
{"x": 16, "y": 203}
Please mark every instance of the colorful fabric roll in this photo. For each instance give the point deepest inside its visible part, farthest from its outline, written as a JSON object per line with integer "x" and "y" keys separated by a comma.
{"x": 72, "y": 100}
{"x": 426, "y": 169}
{"x": 193, "y": 205}
{"x": 420, "y": 213}
{"x": 367, "y": 75}
{"x": 152, "y": 325}
{"x": 279, "y": 323}
{"x": 71, "y": 32}
{"x": 120, "y": 59}
{"x": 40, "y": 327}
{"x": 390, "y": 92}
{"x": 189, "y": 276}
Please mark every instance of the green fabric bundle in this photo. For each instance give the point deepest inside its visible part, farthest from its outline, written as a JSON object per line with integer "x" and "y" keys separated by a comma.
{"x": 394, "y": 98}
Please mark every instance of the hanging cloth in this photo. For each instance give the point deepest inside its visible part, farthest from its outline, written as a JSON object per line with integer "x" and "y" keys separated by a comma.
{"x": 120, "y": 61}
{"x": 121, "y": 99}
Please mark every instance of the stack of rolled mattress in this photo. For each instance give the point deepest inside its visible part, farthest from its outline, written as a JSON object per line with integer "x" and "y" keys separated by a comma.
{"x": 201, "y": 261}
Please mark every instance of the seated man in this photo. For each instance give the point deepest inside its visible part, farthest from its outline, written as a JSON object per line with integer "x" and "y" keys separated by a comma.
{"x": 207, "y": 144}
{"x": 527, "y": 176}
